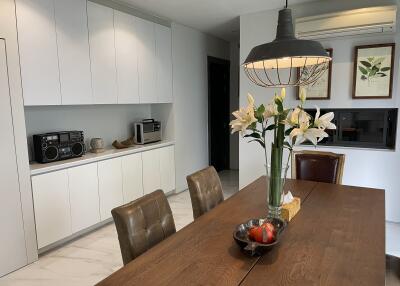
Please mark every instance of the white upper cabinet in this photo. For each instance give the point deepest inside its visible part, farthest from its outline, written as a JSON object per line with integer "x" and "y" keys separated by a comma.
{"x": 126, "y": 57}
{"x": 38, "y": 52}
{"x": 163, "y": 64}
{"x": 110, "y": 186}
{"x": 132, "y": 177}
{"x": 83, "y": 196}
{"x": 167, "y": 168}
{"x": 73, "y": 51}
{"x": 147, "y": 61}
{"x": 102, "y": 53}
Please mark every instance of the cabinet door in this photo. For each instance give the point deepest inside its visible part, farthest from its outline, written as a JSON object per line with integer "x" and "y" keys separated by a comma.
{"x": 102, "y": 53}
{"x": 164, "y": 63}
{"x": 110, "y": 186}
{"x": 12, "y": 240}
{"x": 167, "y": 168}
{"x": 83, "y": 196}
{"x": 151, "y": 171}
{"x": 126, "y": 57}
{"x": 73, "y": 51}
{"x": 132, "y": 177}
{"x": 147, "y": 62}
{"x": 38, "y": 52}
{"x": 52, "y": 208}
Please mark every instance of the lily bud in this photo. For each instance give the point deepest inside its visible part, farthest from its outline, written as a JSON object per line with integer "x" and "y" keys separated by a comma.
{"x": 303, "y": 95}
{"x": 283, "y": 93}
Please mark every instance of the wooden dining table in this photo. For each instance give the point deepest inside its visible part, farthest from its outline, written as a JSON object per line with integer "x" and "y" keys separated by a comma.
{"x": 337, "y": 238}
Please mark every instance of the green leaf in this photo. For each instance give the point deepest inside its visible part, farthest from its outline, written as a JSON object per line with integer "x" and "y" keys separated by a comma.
{"x": 253, "y": 125}
{"x": 259, "y": 113}
{"x": 365, "y": 63}
{"x": 363, "y": 77}
{"x": 373, "y": 71}
{"x": 382, "y": 74}
{"x": 261, "y": 109}
{"x": 271, "y": 127}
{"x": 288, "y": 131}
{"x": 385, "y": 69}
{"x": 279, "y": 105}
{"x": 254, "y": 135}
{"x": 287, "y": 145}
{"x": 259, "y": 141}
{"x": 370, "y": 59}
{"x": 363, "y": 70}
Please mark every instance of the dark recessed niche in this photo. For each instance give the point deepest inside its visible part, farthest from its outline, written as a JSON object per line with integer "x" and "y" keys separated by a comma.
{"x": 362, "y": 127}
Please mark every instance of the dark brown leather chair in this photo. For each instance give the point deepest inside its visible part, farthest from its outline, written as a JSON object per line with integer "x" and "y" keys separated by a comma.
{"x": 318, "y": 166}
{"x": 143, "y": 223}
{"x": 205, "y": 190}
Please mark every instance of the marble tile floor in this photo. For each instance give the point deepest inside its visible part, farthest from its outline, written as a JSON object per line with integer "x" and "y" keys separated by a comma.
{"x": 91, "y": 258}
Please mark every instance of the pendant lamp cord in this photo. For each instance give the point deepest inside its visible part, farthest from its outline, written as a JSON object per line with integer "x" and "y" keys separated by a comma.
{"x": 286, "y": 3}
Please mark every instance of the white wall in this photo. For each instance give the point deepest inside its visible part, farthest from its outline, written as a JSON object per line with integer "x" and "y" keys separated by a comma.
{"x": 364, "y": 167}
{"x": 190, "y": 49}
{"x": 234, "y": 103}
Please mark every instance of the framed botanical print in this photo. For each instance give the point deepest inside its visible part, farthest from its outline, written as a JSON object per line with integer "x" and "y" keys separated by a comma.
{"x": 373, "y": 71}
{"x": 321, "y": 89}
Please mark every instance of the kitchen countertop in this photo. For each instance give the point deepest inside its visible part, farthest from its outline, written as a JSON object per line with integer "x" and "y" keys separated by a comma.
{"x": 37, "y": 168}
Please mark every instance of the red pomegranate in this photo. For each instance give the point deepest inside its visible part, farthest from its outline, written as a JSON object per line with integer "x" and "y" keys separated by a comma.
{"x": 263, "y": 234}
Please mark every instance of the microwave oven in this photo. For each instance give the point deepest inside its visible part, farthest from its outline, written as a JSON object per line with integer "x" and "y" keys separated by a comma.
{"x": 147, "y": 131}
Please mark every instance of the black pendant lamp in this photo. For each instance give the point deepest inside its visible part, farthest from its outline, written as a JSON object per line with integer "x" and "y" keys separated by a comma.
{"x": 273, "y": 64}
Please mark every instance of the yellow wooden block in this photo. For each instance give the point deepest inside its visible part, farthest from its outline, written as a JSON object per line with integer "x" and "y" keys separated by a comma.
{"x": 291, "y": 209}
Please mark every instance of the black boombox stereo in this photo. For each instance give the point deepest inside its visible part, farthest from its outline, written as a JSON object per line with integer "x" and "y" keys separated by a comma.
{"x": 55, "y": 146}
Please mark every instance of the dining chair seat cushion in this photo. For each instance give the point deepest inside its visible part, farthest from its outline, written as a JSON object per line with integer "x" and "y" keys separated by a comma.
{"x": 143, "y": 223}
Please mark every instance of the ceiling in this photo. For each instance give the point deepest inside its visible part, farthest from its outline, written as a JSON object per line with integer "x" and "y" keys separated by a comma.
{"x": 216, "y": 17}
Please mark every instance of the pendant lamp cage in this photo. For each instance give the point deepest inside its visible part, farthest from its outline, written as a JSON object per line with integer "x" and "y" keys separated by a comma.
{"x": 274, "y": 64}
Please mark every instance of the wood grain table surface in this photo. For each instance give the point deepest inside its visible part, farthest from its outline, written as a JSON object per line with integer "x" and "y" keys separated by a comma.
{"x": 337, "y": 238}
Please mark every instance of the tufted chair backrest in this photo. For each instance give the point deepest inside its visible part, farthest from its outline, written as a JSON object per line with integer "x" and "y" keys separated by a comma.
{"x": 143, "y": 223}
{"x": 205, "y": 190}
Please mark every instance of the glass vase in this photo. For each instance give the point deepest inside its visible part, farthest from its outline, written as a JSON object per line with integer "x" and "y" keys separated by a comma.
{"x": 276, "y": 177}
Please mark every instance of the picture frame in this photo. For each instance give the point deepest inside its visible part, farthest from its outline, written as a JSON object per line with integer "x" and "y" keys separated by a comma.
{"x": 321, "y": 89}
{"x": 373, "y": 71}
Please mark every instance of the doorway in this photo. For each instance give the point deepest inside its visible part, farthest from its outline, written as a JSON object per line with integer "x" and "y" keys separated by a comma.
{"x": 218, "y": 112}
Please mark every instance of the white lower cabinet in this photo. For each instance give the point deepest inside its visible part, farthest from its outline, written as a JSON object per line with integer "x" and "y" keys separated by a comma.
{"x": 151, "y": 171}
{"x": 110, "y": 186}
{"x": 159, "y": 170}
{"x": 71, "y": 200}
{"x": 132, "y": 177}
{"x": 167, "y": 168}
{"x": 84, "y": 196}
{"x": 52, "y": 208}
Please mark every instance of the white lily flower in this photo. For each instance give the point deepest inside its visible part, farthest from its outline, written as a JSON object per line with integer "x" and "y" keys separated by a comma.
{"x": 271, "y": 110}
{"x": 324, "y": 122}
{"x": 303, "y": 133}
{"x": 244, "y": 117}
{"x": 298, "y": 116}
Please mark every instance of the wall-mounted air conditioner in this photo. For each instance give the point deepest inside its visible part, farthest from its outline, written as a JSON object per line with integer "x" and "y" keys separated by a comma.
{"x": 351, "y": 22}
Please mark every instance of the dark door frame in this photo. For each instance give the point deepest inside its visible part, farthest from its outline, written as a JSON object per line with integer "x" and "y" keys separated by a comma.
{"x": 211, "y": 60}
